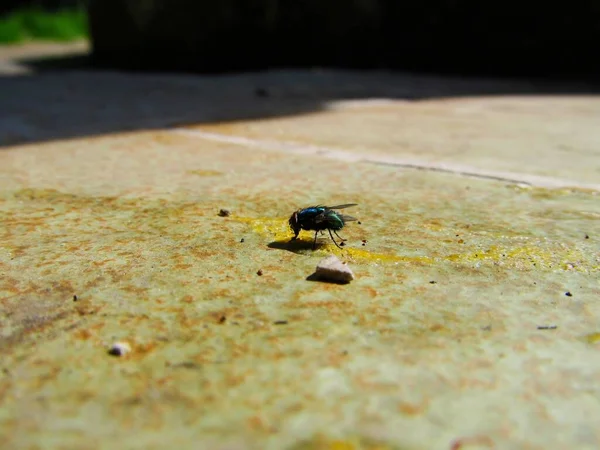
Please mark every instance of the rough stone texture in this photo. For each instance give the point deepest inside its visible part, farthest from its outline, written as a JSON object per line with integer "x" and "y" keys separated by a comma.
{"x": 455, "y": 36}
{"x": 438, "y": 344}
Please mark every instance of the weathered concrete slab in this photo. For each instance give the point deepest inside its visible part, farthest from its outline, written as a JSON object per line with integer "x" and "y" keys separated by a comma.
{"x": 472, "y": 321}
{"x": 503, "y": 137}
{"x": 61, "y": 104}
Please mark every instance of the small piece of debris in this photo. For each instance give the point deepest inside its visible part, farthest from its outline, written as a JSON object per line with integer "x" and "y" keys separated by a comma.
{"x": 342, "y": 244}
{"x": 280, "y": 322}
{"x": 119, "y": 349}
{"x": 259, "y": 273}
{"x": 359, "y": 222}
{"x": 568, "y": 294}
{"x": 224, "y": 213}
{"x": 332, "y": 269}
{"x": 547, "y": 327}
{"x": 587, "y": 236}
{"x": 75, "y": 298}
{"x": 432, "y": 282}
{"x": 242, "y": 240}
{"x": 261, "y": 92}
{"x": 222, "y": 319}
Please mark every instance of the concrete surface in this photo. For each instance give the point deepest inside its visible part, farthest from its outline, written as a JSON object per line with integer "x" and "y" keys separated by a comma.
{"x": 473, "y": 321}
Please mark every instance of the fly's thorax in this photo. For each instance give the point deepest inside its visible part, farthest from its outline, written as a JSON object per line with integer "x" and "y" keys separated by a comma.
{"x": 309, "y": 213}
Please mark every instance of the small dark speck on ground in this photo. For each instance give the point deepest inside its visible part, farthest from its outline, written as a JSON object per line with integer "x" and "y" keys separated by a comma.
{"x": 432, "y": 282}
{"x": 259, "y": 273}
{"x": 261, "y": 92}
{"x": 75, "y": 298}
{"x": 222, "y": 319}
{"x": 342, "y": 244}
{"x": 359, "y": 222}
{"x": 242, "y": 240}
{"x": 587, "y": 236}
{"x": 186, "y": 365}
{"x": 224, "y": 213}
{"x": 280, "y": 322}
{"x": 568, "y": 294}
{"x": 547, "y": 327}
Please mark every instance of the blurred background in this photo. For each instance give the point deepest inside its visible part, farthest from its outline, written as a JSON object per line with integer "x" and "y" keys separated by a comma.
{"x": 76, "y": 68}
{"x": 508, "y": 38}
{"x": 55, "y": 20}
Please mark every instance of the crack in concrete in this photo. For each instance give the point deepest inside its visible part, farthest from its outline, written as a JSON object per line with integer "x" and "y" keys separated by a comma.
{"x": 390, "y": 161}
{"x": 431, "y": 168}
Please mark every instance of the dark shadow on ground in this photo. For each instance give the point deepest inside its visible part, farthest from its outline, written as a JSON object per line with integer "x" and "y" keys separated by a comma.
{"x": 317, "y": 278}
{"x": 302, "y": 246}
{"x": 67, "y": 97}
{"x": 298, "y": 246}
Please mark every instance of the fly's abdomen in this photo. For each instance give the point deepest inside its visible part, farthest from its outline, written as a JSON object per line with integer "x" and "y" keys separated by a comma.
{"x": 334, "y": 221}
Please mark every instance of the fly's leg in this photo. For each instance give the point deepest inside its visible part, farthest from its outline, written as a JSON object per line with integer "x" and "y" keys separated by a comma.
{"x": 315, "y": 241}
{"x": 336, "y": 244}
{"x": 341, "y": 238}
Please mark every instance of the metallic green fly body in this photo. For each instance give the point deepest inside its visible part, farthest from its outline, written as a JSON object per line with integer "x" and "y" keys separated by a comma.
{"x": 319, "y": 218}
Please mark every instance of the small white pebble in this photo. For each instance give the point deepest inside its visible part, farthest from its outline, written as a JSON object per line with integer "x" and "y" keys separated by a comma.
{"x": 119, "y": 349}
{"x": 332, "y": 269}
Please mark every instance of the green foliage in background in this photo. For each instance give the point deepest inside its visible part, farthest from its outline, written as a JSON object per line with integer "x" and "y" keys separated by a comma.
{"x": 34, "y": 23}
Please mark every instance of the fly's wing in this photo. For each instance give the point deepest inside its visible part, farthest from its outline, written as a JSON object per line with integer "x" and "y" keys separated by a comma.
{"x": 344, "y": 217}
{"x": 320, "y": 218}
{"x": 347, "y": 218}
{"x": 331, "y": 219}
{"x": 345, "y": 205}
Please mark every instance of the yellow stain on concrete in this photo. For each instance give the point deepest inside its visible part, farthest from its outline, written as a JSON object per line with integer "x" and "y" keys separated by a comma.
{"x": 205, "y": 173}
{"x": 593, "y": 338}
{"x": 532, "y": 257}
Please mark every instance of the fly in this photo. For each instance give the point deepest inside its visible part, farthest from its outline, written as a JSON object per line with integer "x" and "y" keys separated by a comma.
{"x": 319, "y": 218}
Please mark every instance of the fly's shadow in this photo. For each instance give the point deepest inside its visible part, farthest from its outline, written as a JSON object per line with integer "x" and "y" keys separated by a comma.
{"x": 299, "y": 246}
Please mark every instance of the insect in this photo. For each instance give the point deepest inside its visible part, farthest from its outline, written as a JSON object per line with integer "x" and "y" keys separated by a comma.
{"x": 319, "y": 218}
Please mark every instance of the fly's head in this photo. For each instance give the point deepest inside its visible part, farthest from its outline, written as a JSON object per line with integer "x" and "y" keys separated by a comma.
{"x": 295, "y": 224}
